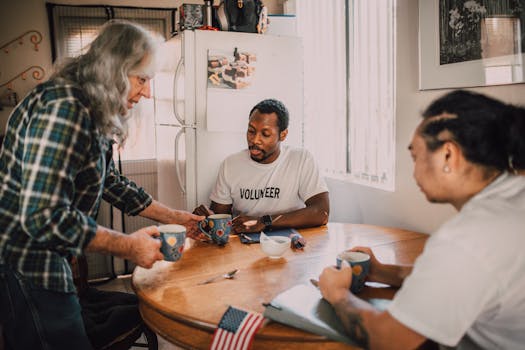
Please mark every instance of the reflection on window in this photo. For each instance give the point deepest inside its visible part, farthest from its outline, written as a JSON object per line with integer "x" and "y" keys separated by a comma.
{"x": 501, "y": 49}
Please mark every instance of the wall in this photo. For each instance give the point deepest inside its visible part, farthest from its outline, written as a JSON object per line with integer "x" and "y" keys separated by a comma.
{"x": 17, "y": 17}
{"x": 407, "y": 206}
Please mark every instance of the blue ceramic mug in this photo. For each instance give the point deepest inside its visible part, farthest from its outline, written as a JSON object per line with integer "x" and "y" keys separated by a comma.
{"x": 217, "y": 227}
{"x": 173, "y": 238}
{"x": 360, "y": 263}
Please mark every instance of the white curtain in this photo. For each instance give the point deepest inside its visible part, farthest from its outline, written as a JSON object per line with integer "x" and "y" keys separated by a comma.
{"x": 359, "y": 145}
{"x": 322, "y": 27}
{"x": 372, "y": 92}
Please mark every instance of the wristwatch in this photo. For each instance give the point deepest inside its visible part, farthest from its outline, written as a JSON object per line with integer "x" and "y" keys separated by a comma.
{"x": 266, "y": 220}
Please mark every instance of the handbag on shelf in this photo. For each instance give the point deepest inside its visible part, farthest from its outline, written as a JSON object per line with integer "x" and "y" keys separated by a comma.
{"x": 250, "y": 16}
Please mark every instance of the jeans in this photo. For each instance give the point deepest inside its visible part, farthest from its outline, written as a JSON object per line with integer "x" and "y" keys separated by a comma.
{"x": 37, "y": 318}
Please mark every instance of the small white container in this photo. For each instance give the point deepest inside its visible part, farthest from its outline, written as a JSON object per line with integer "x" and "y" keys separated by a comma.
{"x": 274, "y": 246}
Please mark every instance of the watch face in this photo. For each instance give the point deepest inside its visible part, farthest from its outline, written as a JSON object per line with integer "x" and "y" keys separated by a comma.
{"x": 267, "y": 220}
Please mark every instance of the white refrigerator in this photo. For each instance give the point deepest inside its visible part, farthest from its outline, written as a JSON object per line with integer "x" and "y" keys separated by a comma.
{"x": 219, "y": 77}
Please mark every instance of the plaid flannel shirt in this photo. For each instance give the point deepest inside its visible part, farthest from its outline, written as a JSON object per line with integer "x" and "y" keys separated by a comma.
{"x": 55, "y": 167}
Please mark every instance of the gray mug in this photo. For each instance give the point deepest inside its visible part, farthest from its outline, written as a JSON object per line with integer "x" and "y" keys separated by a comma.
{"x": 360, "y": 263}
{"x": 173, "y": 237}
{"x": 217, "y": 227}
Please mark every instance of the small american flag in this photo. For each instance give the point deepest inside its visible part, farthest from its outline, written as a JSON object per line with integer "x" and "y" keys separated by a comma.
{"x": 236, "y": 330}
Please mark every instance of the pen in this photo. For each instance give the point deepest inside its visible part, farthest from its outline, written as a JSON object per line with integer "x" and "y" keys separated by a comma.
{"x": 246, "y": 237}
{"x": 271, "y": 305}
{"x": 277, "y": 218}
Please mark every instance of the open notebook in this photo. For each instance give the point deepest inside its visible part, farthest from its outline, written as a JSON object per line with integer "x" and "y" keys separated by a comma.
{"x": 303, "y": 307}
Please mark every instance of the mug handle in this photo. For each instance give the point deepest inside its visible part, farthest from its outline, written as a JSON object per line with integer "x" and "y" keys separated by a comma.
{"x": 206, "y": 233}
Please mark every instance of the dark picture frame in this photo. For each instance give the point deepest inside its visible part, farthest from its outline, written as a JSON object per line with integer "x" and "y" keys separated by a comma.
{"x": 466, "y": 43}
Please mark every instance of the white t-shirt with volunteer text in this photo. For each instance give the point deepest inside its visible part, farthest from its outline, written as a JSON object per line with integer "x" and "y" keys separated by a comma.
{"x": 467, "y": 288}
{"x": 257, "y": 189}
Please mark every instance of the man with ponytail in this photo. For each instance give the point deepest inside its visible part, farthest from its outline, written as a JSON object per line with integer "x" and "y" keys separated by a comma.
{"x": 466, "y": 290}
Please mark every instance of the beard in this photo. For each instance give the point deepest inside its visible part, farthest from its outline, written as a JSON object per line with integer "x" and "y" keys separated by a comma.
{"x": 261, "y": 157}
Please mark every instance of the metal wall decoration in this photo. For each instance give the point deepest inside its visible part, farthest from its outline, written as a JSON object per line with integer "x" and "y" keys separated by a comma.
{"x": 38, "y": 74}
{"x": 35, "y": 38}
{"x": 8, "y": 97}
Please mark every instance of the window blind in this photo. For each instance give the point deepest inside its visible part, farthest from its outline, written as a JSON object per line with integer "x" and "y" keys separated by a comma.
{"x": 74, "y": 27}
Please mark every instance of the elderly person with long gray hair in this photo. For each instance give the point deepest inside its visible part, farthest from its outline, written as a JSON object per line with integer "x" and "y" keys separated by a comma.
{"x": 466, "y": 290}
{"x": 55, "y": 168}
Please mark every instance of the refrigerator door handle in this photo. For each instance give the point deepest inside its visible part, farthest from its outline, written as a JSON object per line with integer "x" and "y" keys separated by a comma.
{"x": 178, "y": 174}
{"x": 175, "y": 92}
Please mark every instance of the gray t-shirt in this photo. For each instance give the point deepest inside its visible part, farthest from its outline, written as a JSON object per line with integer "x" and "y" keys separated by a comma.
{"x": 467, "y": 287}
{"x": 257, "y": 189}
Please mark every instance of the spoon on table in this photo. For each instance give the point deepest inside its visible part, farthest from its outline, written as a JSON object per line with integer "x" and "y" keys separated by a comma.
{"x": 227, "y": 275}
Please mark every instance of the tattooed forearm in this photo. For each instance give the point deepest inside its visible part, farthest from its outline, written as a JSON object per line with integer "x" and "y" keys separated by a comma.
{"x": 353, "y": 324}
{"x": 353, "y": 321}
{"x": 369, "y": 327}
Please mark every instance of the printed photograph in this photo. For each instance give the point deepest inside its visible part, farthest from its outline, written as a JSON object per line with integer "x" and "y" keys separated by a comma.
{"x": 477, "y": 29}
{"x": 233, "y": 70}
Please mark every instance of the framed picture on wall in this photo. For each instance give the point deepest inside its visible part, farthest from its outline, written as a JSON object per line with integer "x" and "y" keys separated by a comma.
{"x": 466, "y": 43}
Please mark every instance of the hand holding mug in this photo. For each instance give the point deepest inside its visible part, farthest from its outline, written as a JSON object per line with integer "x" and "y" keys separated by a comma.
{"x": 360, "y": 263}
{"x": 217, "y": 227}
{"x": 190, "y": 221}
{"x": 334, "y": 283}
{"x": 144, "y": 250}
{"x": 203, "y": 210}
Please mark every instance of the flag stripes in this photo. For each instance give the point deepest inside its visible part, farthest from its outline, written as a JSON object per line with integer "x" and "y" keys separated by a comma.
{"x": 236, "y": 330}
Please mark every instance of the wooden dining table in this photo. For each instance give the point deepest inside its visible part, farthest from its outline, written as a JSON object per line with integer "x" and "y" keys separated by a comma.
{"x": 175, "y": 304}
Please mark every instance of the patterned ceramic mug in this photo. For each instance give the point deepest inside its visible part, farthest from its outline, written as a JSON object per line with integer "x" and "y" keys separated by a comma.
{"x": 172, "y": 237}
{"x": 217, "y": 227}
{"x": 360, "y": 263}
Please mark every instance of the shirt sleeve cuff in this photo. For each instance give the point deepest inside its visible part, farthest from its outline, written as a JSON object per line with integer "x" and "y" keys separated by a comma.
{"x": 90, "y": 232}
{"x": 145, "y": 199}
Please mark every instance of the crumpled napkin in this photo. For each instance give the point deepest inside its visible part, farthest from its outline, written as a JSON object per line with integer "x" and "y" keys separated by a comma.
{"x": 298, "y": 241}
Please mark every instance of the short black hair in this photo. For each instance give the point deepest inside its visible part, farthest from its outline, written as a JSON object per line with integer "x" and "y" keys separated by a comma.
{"x": 486, "y": 129}
{"x": 272, "y": 105}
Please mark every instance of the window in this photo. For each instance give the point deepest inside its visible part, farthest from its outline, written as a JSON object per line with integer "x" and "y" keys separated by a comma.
{"x": 350, "y": 88}
{"x": 74, "y": 27}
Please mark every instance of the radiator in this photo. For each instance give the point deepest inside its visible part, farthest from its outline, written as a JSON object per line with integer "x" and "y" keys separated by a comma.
{"x": 144, "y": 174}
